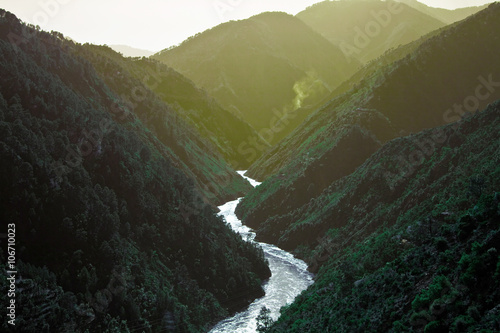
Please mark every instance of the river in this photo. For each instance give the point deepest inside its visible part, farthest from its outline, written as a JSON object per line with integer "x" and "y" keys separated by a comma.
{"x": 289, "y": 277}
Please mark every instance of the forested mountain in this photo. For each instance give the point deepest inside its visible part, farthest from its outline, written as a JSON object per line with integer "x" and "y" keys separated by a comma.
{"x": 224, "y": 130}
{"x": 366, "y": 29}
{"x": 197, "y": 157}
{"x": 261, "y": 68}
{"x": 440, "y": 82}
{"x": 408, "y": 242}
{"x": 447, "y": 16}
{"x": 109, "y": 191}
{"x": 380, "y": 165}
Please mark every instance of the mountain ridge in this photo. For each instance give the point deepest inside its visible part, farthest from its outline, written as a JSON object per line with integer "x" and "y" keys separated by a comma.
{"x": 447, "y": 16}
{"x": 366, "y": 29}
{"x": 224, "y": 130}
{"x": 260, "y": 67}
{"x": 382, "y": 107}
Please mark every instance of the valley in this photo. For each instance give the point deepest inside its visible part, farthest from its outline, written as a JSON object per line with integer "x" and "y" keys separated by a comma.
{"x": 289, "y": 278}
{"x": 370, "y": 132}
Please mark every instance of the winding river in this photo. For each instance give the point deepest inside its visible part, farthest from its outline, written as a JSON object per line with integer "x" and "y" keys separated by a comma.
{"x": 289, "y": 277}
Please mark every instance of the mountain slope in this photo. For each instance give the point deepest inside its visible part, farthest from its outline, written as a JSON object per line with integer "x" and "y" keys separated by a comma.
{"x": 437, "y": 84}
{"x": 196, "y": 156}
{"x": 367, "y": 29}
{"x": 404, "y": 247}
{"x": 224, "y": 130}
{"x": 447, "y": 16}
{"x": 261, "y": 67}
{"x": 394, "y": 55}
{"x": 111, "y": 232}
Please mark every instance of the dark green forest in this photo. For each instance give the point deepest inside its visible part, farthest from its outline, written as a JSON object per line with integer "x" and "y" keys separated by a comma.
{"x": 404, "y": 248}
{"x": 114, "y": 233}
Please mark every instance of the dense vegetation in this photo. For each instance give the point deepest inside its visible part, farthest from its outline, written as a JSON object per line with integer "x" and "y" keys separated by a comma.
{"x": 431, "y": 86}
{"x": 404, "y": 247}
{"x": 224, "y": 130}
{"x": 195, "y": 150}
{"x": 114, "y": 232}
{"x": 366, "y": 29}
{"x": 261, "y": 68}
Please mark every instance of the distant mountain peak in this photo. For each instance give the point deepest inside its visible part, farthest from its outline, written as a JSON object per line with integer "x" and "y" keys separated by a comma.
{"x": 366, "y": 29}
{"x": 254, "y": 68}
{"x": 447, "y": 16}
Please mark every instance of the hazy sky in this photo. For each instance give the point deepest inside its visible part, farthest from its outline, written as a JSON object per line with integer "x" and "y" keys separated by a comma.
{"x": 154, "y": 24}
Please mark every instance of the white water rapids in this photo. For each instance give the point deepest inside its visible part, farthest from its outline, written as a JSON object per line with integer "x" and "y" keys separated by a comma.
{"x": 289, "y": 277}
